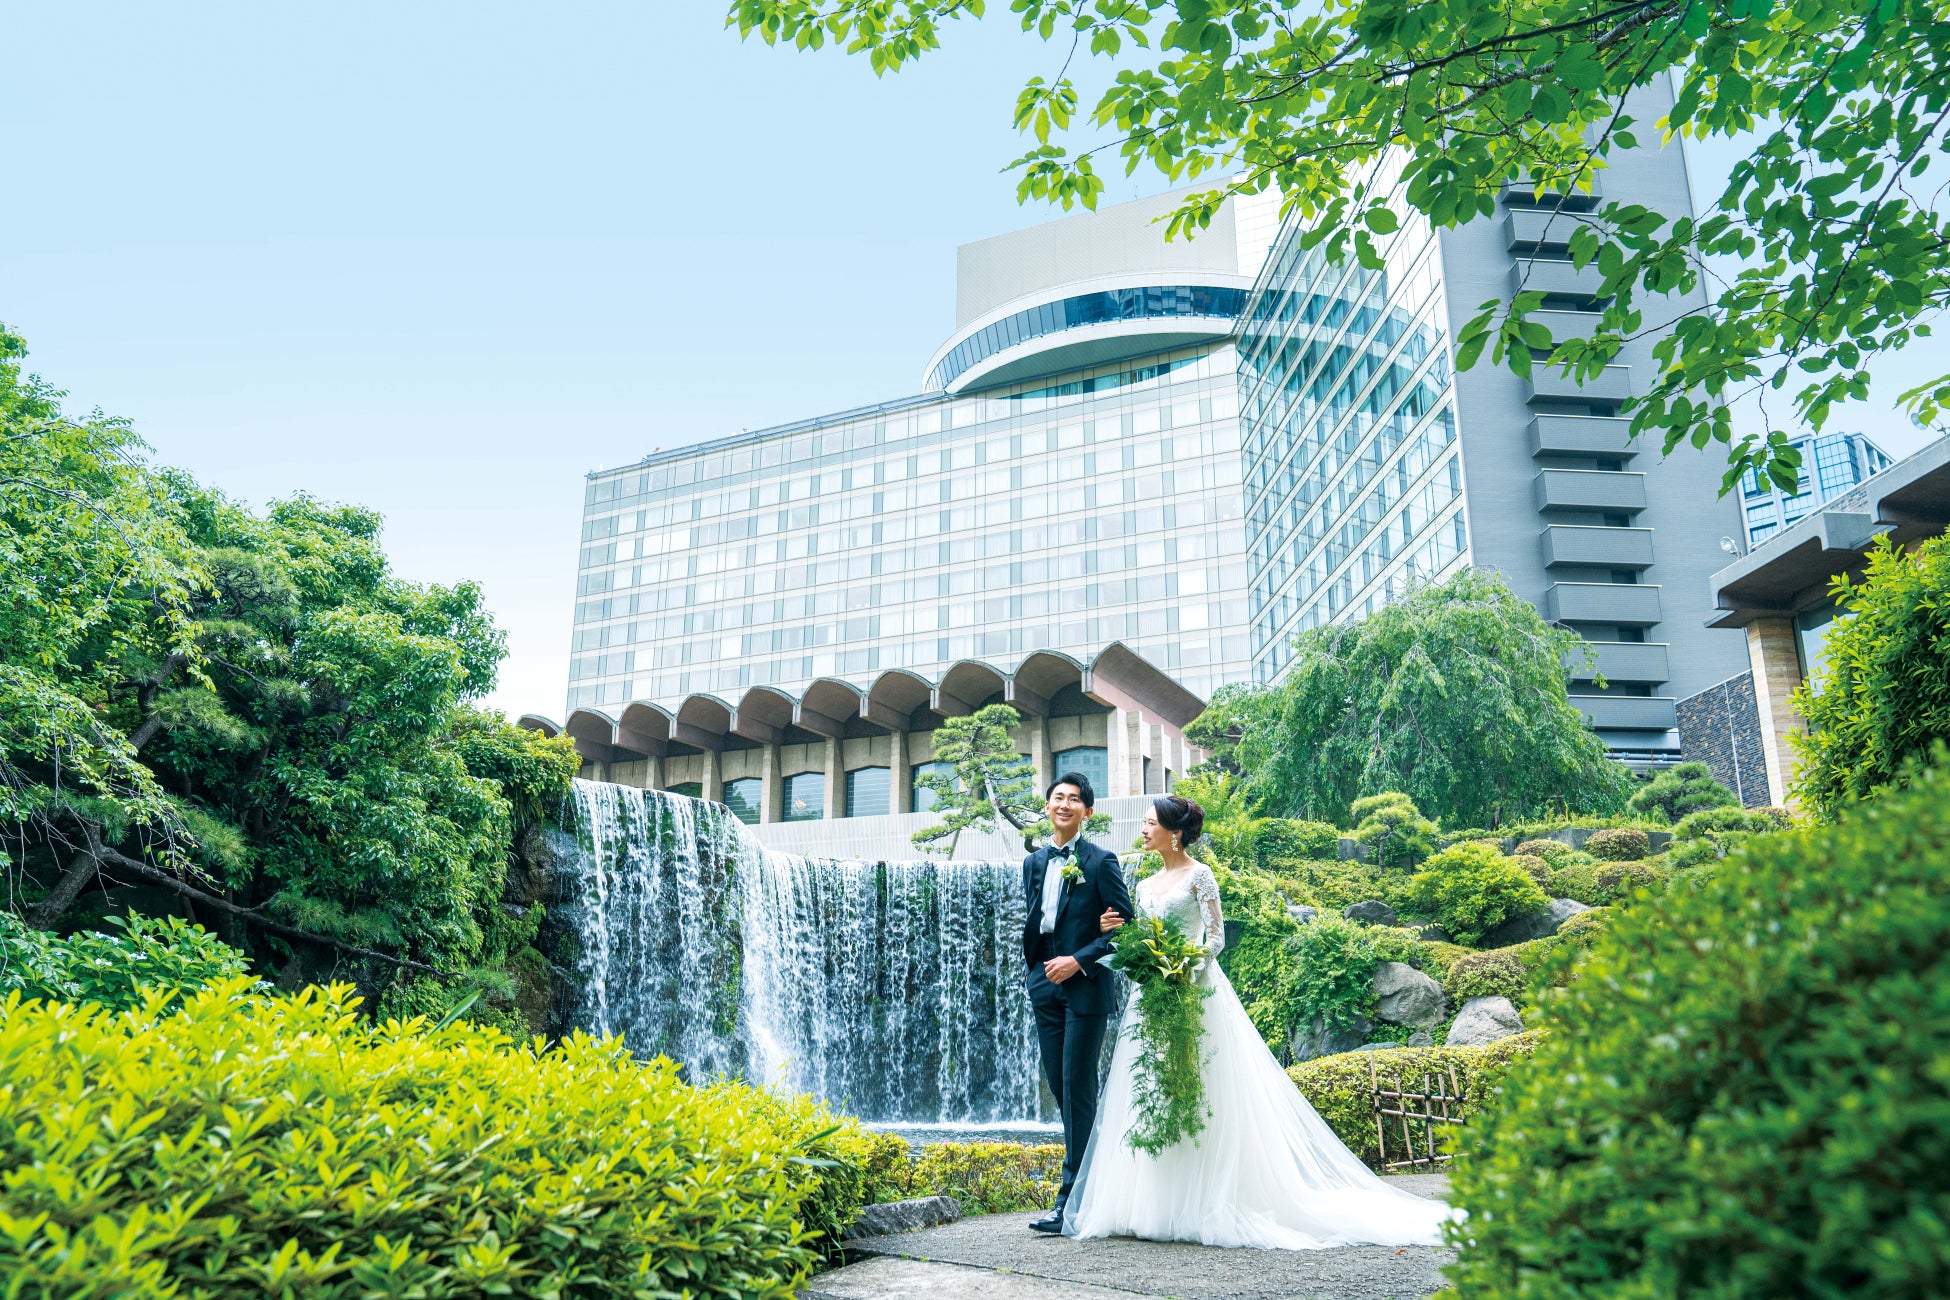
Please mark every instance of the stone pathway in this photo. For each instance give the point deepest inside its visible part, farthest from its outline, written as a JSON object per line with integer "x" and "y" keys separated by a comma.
{"x": 996, "y": 1257}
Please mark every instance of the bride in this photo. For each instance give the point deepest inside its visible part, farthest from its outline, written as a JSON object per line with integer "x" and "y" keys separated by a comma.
{"x": 1266, "y": 1171}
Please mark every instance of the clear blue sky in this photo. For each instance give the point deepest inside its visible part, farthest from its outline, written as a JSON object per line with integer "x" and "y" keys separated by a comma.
{"x": 441, "y": 259}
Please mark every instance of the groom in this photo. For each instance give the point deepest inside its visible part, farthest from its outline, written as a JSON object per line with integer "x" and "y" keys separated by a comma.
{"x": 1068, "y": 885}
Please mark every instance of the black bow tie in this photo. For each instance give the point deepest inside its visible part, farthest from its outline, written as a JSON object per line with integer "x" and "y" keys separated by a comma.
{"x": 1065, "y": 852}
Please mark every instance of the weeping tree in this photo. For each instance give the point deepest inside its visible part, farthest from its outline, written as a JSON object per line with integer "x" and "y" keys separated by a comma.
{"x": 1454, "y": 695}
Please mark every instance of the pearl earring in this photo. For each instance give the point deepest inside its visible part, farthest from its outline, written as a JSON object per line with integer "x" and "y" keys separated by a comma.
{"x": 1178, "y": 843}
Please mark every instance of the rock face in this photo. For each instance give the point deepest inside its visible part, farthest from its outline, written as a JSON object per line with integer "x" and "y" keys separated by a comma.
{"x": 1300, "y": 912}
{"x": 1373, "y": 911}
{"x": 904, "y": 1216}
{"x": 1540, "y": 924}
{"x": 1421, "y": 1038}
{"x": 1405, "y": 996}
{"x": 1484, "y": 1020}
{"x": 1311, "y": 1038}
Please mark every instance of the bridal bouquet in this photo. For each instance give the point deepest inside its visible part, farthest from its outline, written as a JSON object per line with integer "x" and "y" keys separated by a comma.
{"x": 1168, "y": 1090}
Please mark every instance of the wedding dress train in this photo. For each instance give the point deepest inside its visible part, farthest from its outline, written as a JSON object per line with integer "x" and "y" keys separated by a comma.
{"x": 1267, "y": 1170}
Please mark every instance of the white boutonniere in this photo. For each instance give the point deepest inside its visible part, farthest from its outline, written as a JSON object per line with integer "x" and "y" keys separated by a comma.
{"x": 1073, "y": 873}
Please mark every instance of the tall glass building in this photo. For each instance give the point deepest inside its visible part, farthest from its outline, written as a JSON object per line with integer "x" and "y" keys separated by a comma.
{"x": 1070, "y": 479}
{"x": 1370, "y": 461}
{"x": 1831, "y": 464}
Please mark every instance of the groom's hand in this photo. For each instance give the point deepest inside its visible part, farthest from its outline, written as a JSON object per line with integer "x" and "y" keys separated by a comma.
{"x": 1059, "y": 969}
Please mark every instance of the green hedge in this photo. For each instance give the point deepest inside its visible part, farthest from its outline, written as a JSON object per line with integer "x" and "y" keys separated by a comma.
{"x": 253, "y": 1145}
{"x": 986, "y": 1177}
{"x": 1745, "y": 1094}
{"x": 1598, "y": 884}
{"x": 1283, "y": 839}
{"x": 1340, "y": 1087}
{"x": 113, "y": 970}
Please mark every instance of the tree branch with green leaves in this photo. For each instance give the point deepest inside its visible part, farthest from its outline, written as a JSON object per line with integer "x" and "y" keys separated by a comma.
{"x": 1831, "y": 222}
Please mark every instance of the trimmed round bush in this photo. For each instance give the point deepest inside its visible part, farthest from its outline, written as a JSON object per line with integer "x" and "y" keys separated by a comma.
{"x": 1493, "y": 973}
{"x": 1680, "y": 791}
{"x": 1620, "y": 880}
{"x": 1555, "y": 852}
{"x": 1620, "y": 844}
{"x": 1340, "y": 1087}
{"x": 1538, "y": 869}
{"x": 1471, "y": 888}
{"x": 253, "y": 1145}
{"x": 1285, "y": 839}
{"x": 1744, "y": 1094}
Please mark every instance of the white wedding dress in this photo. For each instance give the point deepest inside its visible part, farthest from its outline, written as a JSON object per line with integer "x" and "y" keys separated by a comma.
{"x": 1266, "y": 1171}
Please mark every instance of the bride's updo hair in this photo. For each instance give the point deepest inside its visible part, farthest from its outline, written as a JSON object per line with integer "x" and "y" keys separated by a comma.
{"x": 1182, "y": 815}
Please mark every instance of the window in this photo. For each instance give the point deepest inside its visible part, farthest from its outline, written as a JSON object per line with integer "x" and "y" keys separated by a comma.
{"x": 805, "y": 797}
{"x": 1091, "y": 763}
{"x": 866, "y": 792}
{"x": 746, "y": 799}
{"x": 924, "y": 798}
{"x": 689, "y": 789}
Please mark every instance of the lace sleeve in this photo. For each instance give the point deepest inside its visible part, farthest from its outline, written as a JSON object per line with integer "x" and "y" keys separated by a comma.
{"x": 1206, "y": 887}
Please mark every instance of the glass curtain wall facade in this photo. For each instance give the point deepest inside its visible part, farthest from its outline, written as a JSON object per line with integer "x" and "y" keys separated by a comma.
{"x": 1831, "y": 464}
{"x": 1353, "y": 479}
{"x": 1096, "y": 506}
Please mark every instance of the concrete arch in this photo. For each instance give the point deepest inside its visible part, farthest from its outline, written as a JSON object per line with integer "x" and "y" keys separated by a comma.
{"x": 829, "y": 704}
{"x": 763, "y": 715}
{"x": 966, "y": 686}
{"x": 549, "y": 727}
{"x": 1124, "y": 679}
{"x": 594, "y": 733}
{"x": 644, "y": 729}
{"x": 702, "y": 721}
{"x": 895, "y": 695}
{"x": 1039, "y": 677}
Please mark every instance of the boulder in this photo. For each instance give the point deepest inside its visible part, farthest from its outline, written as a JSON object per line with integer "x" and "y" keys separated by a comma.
{"x": 1540, "y": 924}
{"x": 1300, "y": 912}
{"x": 1484, "y": 1020}
{"x": 1434, "y": 933}
{"x": 1405, "y": 996}
{"x": 1373, "y": 912}
{"x": 1312, "y": 1038}
{"x": 1421, "y": 1038}
{"x": 904, "y": 1216}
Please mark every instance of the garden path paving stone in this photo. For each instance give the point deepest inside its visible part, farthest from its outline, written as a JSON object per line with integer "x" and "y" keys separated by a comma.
{"x": 996, "y": 1257}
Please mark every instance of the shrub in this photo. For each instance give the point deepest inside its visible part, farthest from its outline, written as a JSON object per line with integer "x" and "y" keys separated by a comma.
{"x": 1538, "y": 869}
{"x": 1681, "y": 790}
{"x": 1619, "y": 845}
{"x": 110, "y": 970}
{"x": 1745, "y": 1094}
{"x": 1282, "y": 839}
{"x": 1332, "y": 972}
{"x": 251, "y": 1145}
{"x": 1439, "y": 959}
{"x": 1392, "y": 829}
{"x": 1620, "y": 880}
{"x": 1472, "y": 888}
{"x": 1331, "y": 886}
{"x": 1555, "y": 852}
{"x": 1340, "y": 1087}
{"x": 1494, "y": 973}
{"x": 1882, "y": 696}
{"x": 1692, "y": 854}
{"x": 988, "y": 1177}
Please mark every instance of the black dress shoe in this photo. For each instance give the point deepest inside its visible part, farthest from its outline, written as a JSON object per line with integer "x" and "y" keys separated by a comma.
{"x": 1051, "y": 1222}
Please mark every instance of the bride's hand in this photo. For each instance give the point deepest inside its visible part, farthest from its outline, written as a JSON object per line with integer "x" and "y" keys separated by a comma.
{"x": 1109, "y": 921}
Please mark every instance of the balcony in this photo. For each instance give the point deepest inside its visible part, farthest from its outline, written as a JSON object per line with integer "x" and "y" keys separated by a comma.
{"x": 1624, "y": 604}
{"x": 1550, "y": 383}
{"x": 1611, "y": 548}
{"x": 1530, "y": 227}
{"x": 1527, "y": 193}
{"x": 1590, "y": 489}
{"x": 1628, "y": 712}
{"x": 1567, "y": 324}
{"x": 1639, "y": 662}
{"x": 1550, "y": 275}
{"x": 1582, "y": 435}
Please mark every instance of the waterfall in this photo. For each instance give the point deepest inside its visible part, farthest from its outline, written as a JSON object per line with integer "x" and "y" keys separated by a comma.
{"x": 892, "y": 989}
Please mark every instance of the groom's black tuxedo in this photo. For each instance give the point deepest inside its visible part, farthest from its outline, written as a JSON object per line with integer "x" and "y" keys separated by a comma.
{"x": 1070, "y": 1016}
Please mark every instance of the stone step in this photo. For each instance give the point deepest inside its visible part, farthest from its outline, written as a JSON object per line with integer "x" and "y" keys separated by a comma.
{"x": 889, "y": 1278}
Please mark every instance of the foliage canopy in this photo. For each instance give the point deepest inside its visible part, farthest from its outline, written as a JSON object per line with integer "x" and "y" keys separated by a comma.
{"x": 1882, "y": 696}
{"x": 1842, "y": 254}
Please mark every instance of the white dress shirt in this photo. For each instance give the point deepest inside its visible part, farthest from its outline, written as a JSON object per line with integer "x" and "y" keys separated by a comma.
{"x": 1053, "y": 883}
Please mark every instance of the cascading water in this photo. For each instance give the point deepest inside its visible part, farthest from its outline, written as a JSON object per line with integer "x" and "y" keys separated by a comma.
{"x": 893, "y": 989}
